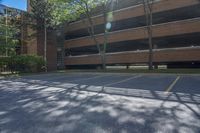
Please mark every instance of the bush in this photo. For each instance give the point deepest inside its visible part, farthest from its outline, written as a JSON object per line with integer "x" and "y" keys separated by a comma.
{"x": 23, "y": 63}
{"x": 4, "y": 61}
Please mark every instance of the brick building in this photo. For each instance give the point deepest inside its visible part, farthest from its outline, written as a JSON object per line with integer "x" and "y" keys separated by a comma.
{"x": 35, "y": 43}
{"x": 176, "y": 37}
{"x": 29, "y": 41}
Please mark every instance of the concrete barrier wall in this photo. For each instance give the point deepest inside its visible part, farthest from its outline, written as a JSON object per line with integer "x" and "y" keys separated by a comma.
{"x": 160, "y": 30}
{"x": 134, "y": 11}
{"x": 161, "y": 56}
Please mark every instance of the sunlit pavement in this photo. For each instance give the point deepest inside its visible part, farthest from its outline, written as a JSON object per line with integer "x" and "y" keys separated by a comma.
{"x": 100, "y": 103}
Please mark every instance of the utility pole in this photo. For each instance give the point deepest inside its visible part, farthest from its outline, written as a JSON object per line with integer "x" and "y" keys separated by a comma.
{"x": 45, "y": 45}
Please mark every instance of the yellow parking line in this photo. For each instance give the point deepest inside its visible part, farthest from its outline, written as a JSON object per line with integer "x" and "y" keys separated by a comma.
{"x": 172, "y": 85}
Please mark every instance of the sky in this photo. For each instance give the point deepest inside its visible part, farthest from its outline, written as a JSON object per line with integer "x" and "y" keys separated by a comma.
{"x": 19, "y": 4}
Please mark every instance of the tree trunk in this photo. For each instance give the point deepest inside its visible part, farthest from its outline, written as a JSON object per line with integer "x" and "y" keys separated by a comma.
{"x": 105, "y": 39}
{"x": 92, "y": 34}
{"x": 149, "y": 18}
{"x": 150, "y": 36}
{"x": 45, "y": 46}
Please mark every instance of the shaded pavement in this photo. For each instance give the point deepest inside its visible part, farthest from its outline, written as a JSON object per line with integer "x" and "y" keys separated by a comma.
{"x": 100, "y": 103}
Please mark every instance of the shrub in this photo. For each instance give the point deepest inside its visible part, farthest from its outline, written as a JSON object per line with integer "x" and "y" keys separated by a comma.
{"x": 23, "y": 63}
{"x": 4, "y": 61}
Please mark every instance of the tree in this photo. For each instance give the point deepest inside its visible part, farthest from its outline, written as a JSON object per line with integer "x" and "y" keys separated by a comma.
{"x": 85, "y": 7}
{"x": 41, "y": 16}
{"x": 148, "y": 4}
{"x": 9, "y": 31}
{"x": 107, "y": 16}
{"x": 48, "y": 14}
{"x": 10, "y": 28}
{"x": 57, "y": 12}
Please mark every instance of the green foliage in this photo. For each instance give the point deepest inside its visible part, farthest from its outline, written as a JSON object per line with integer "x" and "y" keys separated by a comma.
{"x": 80, "y": 8}
{"x": 4, "y": 61}
{"x": 41, "y": 13}
{"x": 9, "y": 31}
{"x": 23, "y": 63}
{"x": 58, "y": 12}
{"x": 50, "y": 13}
{"x": 84, "y": 9}
{"x": 62, "y": 12}
{"x": 65, "y": 11}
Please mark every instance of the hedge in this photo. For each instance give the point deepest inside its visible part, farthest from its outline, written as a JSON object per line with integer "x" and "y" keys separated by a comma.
{"x": 23, "y": 63}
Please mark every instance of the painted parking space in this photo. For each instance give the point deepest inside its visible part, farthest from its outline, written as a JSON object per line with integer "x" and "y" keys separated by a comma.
{"x": 185, "y": 84}
{"x": 148, "y": 82}
{"x": 135, "y": 85}
{"x": 50, "y": 79}
{"x": 33, "y": 107}
{"x": 72, "y": 77}
{"x": 171, "y": 87}
{"x": 44, "y": 76}
{"x": 103, "y": 80}
{"x": 188, "y": 84}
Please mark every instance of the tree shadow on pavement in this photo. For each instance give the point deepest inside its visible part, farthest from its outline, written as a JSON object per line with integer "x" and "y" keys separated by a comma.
{"x": 42, "y": 108}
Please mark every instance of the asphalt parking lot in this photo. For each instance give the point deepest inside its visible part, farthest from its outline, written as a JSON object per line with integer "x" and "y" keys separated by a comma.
{"x": 100, "y": 103}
